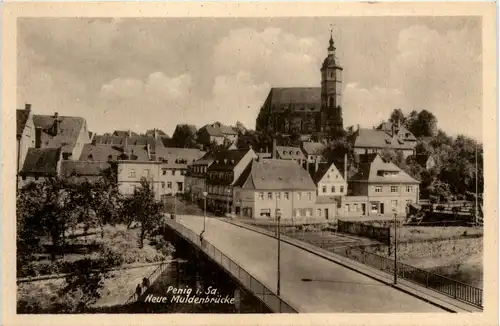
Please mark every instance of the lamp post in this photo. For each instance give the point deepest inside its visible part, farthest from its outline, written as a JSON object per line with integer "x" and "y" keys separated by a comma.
{"x": 204, "y": 210}
{"x": 395, "y": 247}
{"x": 228, "y": 197}
{"x": 175, "y": 206}
{"x": 278, "y": 286}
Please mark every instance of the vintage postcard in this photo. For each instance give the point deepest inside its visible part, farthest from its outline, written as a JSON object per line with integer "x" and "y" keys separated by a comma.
{"x": 224, "y": 163}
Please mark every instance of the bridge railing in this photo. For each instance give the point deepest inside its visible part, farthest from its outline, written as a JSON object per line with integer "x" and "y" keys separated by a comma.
{"x": 263, "y": 293}
{"x": 442, "y": 284}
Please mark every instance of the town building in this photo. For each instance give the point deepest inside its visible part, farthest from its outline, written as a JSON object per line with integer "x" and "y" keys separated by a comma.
{"x": 379, "y": 188}
{"x": 131, "y": 172}
{"x": 174, "y": 167}
{"x": 79, "y": 171}
{"x": 39, "y": 164}
{"x": 307, "y": 110}
{"x": 225, "y": 169}
{"x": 289, "y": 153}
{"x": 270, "y": 188}
{"x": 69, "y": 133}
{"x": 25, "y": 134}
{"x": 331, "y": 187}
{"x": 217, "y": 133}
{"x": 196, "y": 177}
{"x": 313, "y": 151}
{"x": 387, "y": 136}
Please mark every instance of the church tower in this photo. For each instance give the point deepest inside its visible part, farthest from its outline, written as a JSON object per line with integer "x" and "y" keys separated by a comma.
{"x": 331, "y": 94}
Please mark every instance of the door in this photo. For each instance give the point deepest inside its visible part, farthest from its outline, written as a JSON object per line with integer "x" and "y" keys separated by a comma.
{"x": 363, "y": 209}
{"x": 326, "y": 213}
{"x": 382, "y": 208}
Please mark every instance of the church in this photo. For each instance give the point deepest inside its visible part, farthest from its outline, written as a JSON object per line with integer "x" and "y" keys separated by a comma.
{"x": 307, "y": 110}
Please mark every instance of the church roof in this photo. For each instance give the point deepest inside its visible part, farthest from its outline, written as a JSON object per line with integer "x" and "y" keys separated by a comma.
{"x": 295, "y": 98}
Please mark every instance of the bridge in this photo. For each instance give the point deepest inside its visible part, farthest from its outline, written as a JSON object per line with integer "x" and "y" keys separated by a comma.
{"x": 310, "y": 281}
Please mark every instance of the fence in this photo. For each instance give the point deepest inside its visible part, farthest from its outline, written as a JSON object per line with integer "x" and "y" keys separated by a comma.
{"x": 151, "y": 278}
{"x": 266, "y": 296}
{"x": 382, "y": 234}
{"x": 452, "y": 288}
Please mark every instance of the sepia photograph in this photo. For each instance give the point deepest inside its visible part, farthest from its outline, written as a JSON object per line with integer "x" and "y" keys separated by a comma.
{"x": 250, "y": 165}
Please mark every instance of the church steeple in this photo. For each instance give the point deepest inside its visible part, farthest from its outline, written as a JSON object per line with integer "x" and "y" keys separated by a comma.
{"x": 331, "y": 48}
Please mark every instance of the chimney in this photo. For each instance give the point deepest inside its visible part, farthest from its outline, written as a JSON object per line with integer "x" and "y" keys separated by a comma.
{"x": 27, "y": 107}
{"x": 38, "y": 137}
{"x": 273, "y": 153}
{"x": 56, "y": 123}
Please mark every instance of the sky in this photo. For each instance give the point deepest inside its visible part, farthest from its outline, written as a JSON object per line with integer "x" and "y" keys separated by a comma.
{"x": 144, "y": 73}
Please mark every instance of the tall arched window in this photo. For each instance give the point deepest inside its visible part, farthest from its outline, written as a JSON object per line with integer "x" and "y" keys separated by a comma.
{"x": 330, "y": 101}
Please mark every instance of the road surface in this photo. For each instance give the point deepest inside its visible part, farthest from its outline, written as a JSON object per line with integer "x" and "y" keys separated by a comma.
{"x": 333, "y": 288}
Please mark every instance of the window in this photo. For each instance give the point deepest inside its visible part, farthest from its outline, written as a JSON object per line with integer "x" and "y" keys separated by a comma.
{"x": 394, "y": 203}
{"x": 269, "y": 195}
{"x": 28, "y": 131}
{"x": 173, "y": 172}
{"x": 333, "y": 189}
{"x": 299, "y": 195}
{"x": 169, "y": 185}
{"x": 318, "y": 212}
{"x": 131, "y": 173}
{"x": 409, "y": 189}
{"x": 296, "y": 212}
{"x": 347, "y": 208}
{"x": 378, "y": 189}
{"x": 265, "y": 212}
{"x": 287, "y": 195}
{"x": 408, "y": 202}
{"x": 342, "y": 189}
{"x": 261, "y": 195}
{"x": 146, "y": 173}
{"x": 324, "y": 189}
{"x": 277, "y": 212}
{"x": 163, "y": 185}
{"x": 355, "y": 207}
{"x": 183, "y": 172}
{"x": 308, "y": 212}
{"x": 278, "y": 195}
{"x": 394, "y": 188}
{"x": 309, "y": 196}
{"x": 164, "y": 172}
{"x": 179, "y": 186}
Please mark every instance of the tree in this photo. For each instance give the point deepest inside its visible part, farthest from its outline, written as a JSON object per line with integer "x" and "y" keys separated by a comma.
{"x": 184, "y": 136}
{"x": 240, "y": 128}
{"x": 397, "y": 115}
{"x": 423, "y": 125}
{"x": 144, "y": 209}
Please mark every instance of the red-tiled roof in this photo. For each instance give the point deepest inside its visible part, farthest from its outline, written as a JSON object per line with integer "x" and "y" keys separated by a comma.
{"x": 373, "y": 138}
{"x": 67, "y": 132}
{"x": 295, "y": 98}
{"x": 41, "y": 161}
{"x": 275, "y": 175}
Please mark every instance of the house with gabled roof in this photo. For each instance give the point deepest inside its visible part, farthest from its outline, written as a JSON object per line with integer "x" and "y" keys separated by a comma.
{"x": 313, "y": 151}
{"x": 379, "y": 188}
{"x": 39, "y": 164}
{"x": 25, "y": 134}
{"x": 225, "y": 169}
{"x": 391, "y": 136}
{"x": 196, "y": 177}
{"x": 289, "y": 153}
{"x": 217, "y": 133}
{"x": 69, "y": 133}
{"x": 271, "y": 187}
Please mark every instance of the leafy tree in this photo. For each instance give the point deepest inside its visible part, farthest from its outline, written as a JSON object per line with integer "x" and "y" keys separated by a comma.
{"x": 240, "y": 128}
{"x": 143, "y": 208}
{"x": 423, "y": 125}
{"x": 184, "y": 136}
{"x": 397, "y": 115}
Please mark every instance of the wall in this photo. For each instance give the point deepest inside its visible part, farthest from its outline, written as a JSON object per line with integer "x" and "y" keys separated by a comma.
{"x": 251, "y": 198}
{"x": 83, "y": 138}
{"x": 167, "y": 177}
{"x": 27, "y": 140}
{"x": 332, "y": 178}
{"x": 127, "y": 182}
